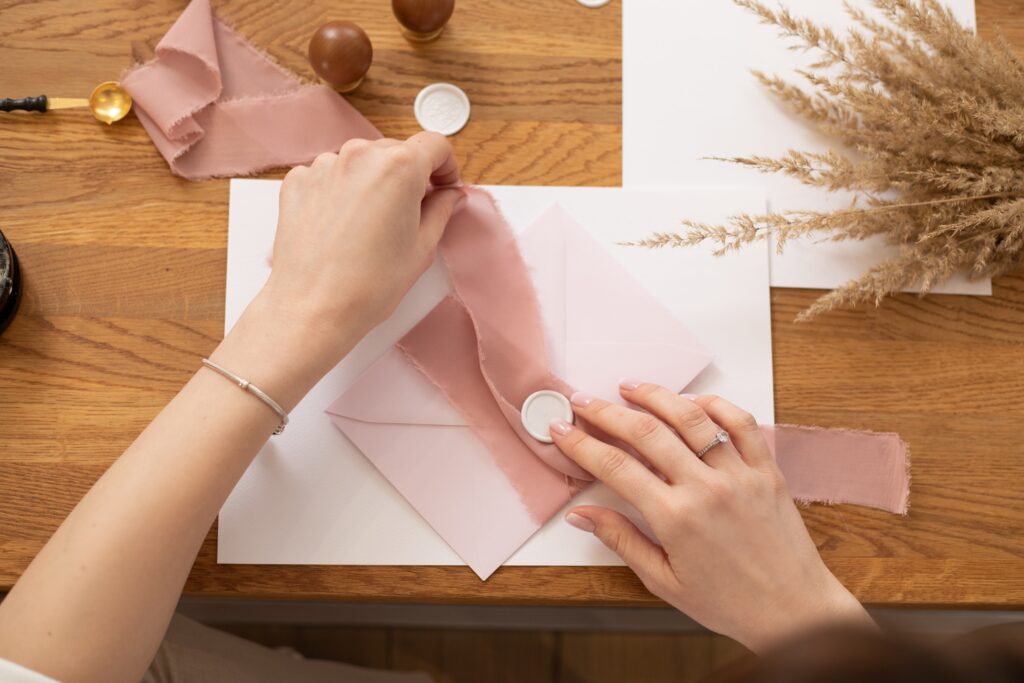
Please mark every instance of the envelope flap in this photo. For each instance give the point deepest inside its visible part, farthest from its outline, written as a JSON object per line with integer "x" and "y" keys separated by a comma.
{"x": 542, "y": 246}
{"x": 606, "y": 302}
{"x": 393, "y": 391}
{"x": 604, "y": 364}
{"x": 614, "y": 325}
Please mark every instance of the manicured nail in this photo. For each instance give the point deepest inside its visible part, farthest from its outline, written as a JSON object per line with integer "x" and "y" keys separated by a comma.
{"x": 580, "y": 522}
{"x": 689, "y": 396}
{"x": 560, "y": 426}
{"x": 629, "y": 384}
{"x": 460, "y": 203}
{"x": 581, "y": 400}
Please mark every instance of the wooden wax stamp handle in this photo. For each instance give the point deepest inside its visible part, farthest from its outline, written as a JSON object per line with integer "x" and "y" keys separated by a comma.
{"x": 340, "y": 53}
{"x": 423, "y": 20}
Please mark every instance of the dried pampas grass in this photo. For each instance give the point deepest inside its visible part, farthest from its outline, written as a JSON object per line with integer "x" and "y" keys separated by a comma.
{"x": 933, "y": 120}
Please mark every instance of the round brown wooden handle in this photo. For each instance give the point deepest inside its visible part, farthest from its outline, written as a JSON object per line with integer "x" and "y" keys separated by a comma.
{"x": 340, "y": 53}
{"x": 423, "y": 19}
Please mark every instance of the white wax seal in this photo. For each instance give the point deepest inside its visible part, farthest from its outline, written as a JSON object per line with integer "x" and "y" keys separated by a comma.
{"x": 540, "y": 408}
{"x": 593, "y": 3}
{"x": 442, "y": 108}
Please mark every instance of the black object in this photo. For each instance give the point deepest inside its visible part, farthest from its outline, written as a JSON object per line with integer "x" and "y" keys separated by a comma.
{"x": 24, "y": 104}
{"x": 10, "y": 284}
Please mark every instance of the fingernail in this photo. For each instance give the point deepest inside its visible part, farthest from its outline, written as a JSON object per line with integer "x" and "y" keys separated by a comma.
{"x": 460, "y": 203}
{"x": 689, "y": 396}
{"x": 581, "y": 400}
{"x": 560, "y": 426}
{"x": 580, "y": 522}
{"x": 629, "y": 384}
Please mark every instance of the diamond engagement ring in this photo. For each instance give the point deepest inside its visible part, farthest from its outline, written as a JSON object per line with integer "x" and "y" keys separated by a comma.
{"x": 721, "y": 437}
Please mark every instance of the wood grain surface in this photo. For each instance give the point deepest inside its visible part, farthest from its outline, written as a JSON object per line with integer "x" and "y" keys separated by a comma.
{"x": 507, "y": 656}
{"x": 124, "y": 274}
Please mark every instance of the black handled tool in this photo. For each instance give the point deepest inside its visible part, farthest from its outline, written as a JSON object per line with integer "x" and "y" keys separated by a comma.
{"x": 42, "y": 103}
{"x": 24, "y": 104}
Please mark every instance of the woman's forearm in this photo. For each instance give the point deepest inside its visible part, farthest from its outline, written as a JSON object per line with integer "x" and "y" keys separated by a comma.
{"x": 109, "y": 579}
{"x": 355, "y": 230}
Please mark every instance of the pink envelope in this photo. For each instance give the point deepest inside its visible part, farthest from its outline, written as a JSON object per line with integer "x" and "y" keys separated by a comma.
{"x": 601, "y": 325}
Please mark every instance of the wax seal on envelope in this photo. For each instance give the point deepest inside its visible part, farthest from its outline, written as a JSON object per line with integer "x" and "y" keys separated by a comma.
{"x": 442, "y": 108}
{"x": 540, "y": 408}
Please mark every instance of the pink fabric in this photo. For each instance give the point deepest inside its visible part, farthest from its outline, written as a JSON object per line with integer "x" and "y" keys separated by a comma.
{"x": 503, "y": 331}
{"x": 214, "y": 105}
{"x": 443, "y": 346}
{"x": 843, "y": 466}
{"x": 494, "y": 316}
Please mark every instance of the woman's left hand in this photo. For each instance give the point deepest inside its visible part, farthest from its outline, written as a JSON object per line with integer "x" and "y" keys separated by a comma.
{"x": 732, "y": 551}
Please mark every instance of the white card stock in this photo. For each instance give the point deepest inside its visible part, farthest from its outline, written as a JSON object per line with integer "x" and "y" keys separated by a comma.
{"x": 688, "y": 94}
{"x": 310, "y": 497}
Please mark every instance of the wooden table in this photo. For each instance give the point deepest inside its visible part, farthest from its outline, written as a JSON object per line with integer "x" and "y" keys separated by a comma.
{"x": 124, "y": 270}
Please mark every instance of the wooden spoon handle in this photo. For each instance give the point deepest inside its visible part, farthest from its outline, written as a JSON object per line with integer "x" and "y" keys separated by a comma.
{"x": 24, "y": 104}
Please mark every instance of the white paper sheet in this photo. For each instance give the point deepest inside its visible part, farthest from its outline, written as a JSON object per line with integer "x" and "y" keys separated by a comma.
{"x": 310, "y": 497}
{"x": 688, "y": 93}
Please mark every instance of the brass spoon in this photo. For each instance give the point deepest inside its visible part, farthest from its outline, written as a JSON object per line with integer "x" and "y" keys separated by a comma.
{"x": 109, "y": 102}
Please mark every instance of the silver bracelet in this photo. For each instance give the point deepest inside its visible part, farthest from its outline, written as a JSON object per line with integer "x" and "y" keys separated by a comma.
{"x": 246, "y": 385}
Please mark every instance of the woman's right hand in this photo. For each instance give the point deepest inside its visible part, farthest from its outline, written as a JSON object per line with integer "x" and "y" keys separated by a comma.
{"x": 355, "y": 230}
{"x": 734, "y": 553}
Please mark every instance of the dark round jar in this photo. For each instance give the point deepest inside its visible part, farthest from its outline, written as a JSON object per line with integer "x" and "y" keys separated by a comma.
{"x": 10, "y": 284}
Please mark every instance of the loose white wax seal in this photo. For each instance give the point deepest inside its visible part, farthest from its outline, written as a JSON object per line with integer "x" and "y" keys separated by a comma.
{"x": 540, "y": 408}
{"x": 442, "y": 108}
{"x": 593, "y": 3}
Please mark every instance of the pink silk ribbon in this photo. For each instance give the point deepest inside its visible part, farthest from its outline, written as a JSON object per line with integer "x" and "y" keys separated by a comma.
{"x": 484, "y": 348}
{"x": 214, "y": 105}
{"x": 843, "y": 466}
{"x": 443, "y": 347}
{"x": 495, "y": 310}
